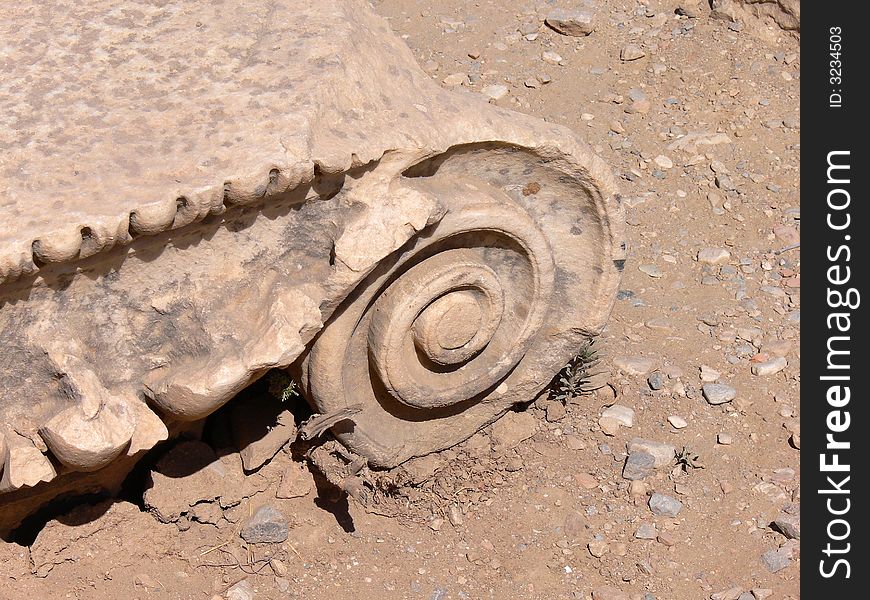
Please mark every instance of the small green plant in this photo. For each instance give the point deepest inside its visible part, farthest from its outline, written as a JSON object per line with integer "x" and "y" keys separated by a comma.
{"x": 578, "y": 376}
{"x": 281, "y": 385}
{"x": 685, "y": 459}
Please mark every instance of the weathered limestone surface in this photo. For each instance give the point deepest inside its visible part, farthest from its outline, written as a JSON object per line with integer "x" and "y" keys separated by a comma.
{"x": 786, "y": 14}
{"x": 191, "y": 192}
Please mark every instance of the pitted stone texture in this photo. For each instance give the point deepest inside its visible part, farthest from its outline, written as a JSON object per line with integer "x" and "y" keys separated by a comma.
{"x": 152, "y": 116}
{"x": 266, "y": 526}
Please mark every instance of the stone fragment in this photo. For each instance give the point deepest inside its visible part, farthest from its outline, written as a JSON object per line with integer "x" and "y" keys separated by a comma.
{"x": 586, "y": 481}
{"x": 631, "y": 52}
{"x": 236, "y": 306}
{"x": 787, "y": 234}
{"x": 713, "y": 256}
{"x": 660, "y": 324}
{"x": 769, "y": 367}
{"x": 664, "y": 506}
{"x": 266, "y": 525}
{"x": 24, "y": 464}
{"x": 677, "y": 422}
{"x": 656, "y": 381}
{"x": 576, "y": 23}
{"x": 598, "y": 548}
{"x": 608, "y": 425}
{"x": 776, "y": 560}
{"x": 634, "y": 365}
{"x": 651, "y": 270}
{"x": 640, "y": 107}
{"x": 695, "y": 141}
{"x": 555, "y": 411}
{"x": 729, "y": 594}
{"x": 207, "y": 512}
{"x": 709, "y": 374}
{"x": 638, "y": 465}
{"x": 495, "y": 92}
{"x": 789, "y": 525}
{"x": 666, "y": 538}
{"x": 296, "y": 482}
{"x": 621, "y": 414}
{"x": 279, "y": 567}
{"x": 690, "y": 8}
{"x": 261, "y": 427}
{"x": 663, "y": 162}
{"x": 575, "y": 525}
{"x": 608, "y": 593}
{"x": 512, "y": 429}
{"x": 551, "y": 57}
{"x": 663, "y": 453}
{"x": 718, "y": 393}
{"x": 243, "y": 590}
{"x": 188, "y": 474}
{"x": 455, "y": 79}
{"x": 646, "y": 531}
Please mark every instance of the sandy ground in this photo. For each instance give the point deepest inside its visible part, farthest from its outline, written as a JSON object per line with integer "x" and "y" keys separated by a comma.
{"x": 702, "y": 131}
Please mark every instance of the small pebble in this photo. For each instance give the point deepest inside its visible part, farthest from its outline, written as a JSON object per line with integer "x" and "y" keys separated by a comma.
{"x": 638, "y": 465}
{"x": 575, "y": 23}
{"x": 598, "y": 548}
{"x": 664, "y": 506}
{"x": 495, "y": 92}
{"x": 718, "y": 393}
{"x": 729, "y": 594}
{"x": 551, "y": 57}
{"x": 713, "y": 256}
{"x": 621, "y": 414}
{"x": 770, "y": 367}
{"x": 608, "y": 593}
{"x": 709, "y": 374}
{"x": 789, "y": 525}
{"x": 664, "y": 162}
{"x": 455, "y": 79}
{"x": 663, "y": 453}
{"x": 631, "y": 52}
{"x": 651, "y": 270}
{"x": 266, "y": 525}
{"x": 776, "y": 560}
{"x": 646, "y": 532}
{"x": 634, "y": 365}
{"x": 677, "y": 422}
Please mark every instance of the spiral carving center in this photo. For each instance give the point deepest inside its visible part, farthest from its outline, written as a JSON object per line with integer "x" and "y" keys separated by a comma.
{"x": 449, "y": 322}
{"x": 456, "y": 323}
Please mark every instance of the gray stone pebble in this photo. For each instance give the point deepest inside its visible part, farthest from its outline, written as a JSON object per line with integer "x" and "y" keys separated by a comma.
{"x": 267, "y": 525}
{"x": 664, "y": 506}
{"x": 639, "y": 465}
{"x": 776, "y": 560}
{"x": 718, "y": 393}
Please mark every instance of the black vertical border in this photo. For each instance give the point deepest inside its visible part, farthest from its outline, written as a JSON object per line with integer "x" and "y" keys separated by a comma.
{"x": 826, "y": 129}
